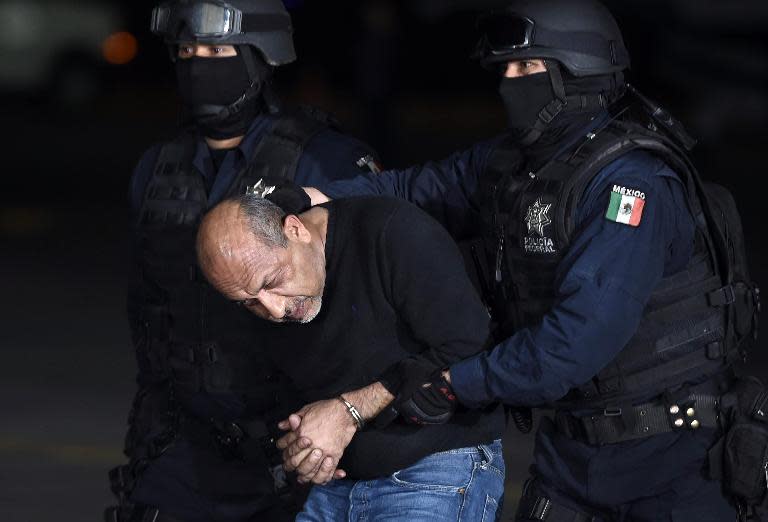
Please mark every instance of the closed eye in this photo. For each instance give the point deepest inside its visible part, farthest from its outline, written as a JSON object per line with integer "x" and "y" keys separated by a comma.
{"x": 277, "y": 280}
{"x": 247, "y": 303}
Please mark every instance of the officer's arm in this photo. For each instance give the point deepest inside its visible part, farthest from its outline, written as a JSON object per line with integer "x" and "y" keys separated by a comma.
{"x": 444, "y": 189}
{"x": 604, "y": 284}
{"x": 331, "y": 156}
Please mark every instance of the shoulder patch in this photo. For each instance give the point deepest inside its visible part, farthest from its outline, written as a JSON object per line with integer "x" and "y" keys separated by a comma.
{"x": 626, "y": 206}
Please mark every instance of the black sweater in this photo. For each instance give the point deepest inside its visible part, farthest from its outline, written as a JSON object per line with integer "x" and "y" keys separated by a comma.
{"x": 395, "y": 287}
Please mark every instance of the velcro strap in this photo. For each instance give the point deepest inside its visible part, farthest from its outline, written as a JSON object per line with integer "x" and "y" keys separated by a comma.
{"x": 679, "y": 369}
{"x": 550, "y": 112}
{"x": 722, "y": 296}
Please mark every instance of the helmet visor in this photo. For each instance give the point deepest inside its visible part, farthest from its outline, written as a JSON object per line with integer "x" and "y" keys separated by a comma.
{"x": 501, "y": 33}
{"x": 199, "y": 19}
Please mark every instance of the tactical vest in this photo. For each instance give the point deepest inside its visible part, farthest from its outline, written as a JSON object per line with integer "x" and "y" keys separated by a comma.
{"x": 687, "y": 332}
{"x": 196, "y": 337}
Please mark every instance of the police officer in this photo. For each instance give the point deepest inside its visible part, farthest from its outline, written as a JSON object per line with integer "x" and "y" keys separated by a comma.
{"x": 603, "y": 270}
{"x": 197, "y": 442}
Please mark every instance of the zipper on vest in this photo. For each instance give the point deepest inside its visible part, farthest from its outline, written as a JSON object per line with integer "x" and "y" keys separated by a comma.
{"x": 499, "y": 253}
{"x": 499, "y": 229}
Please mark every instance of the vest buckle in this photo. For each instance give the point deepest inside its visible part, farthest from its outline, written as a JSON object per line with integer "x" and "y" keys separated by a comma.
{"x": 722, "y": 297}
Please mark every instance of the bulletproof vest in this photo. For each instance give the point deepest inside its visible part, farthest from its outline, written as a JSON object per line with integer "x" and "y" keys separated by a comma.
{"x": 195, "y": 336}
{"x": 688, "y": 331}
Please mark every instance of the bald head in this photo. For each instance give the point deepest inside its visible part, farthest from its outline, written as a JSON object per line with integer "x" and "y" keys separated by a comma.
{"x": 256, "y": 255}
{"x": 239, "y": 228}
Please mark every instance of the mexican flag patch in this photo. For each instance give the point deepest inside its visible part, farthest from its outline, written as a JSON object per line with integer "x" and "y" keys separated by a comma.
{"x": 626, "y": 206}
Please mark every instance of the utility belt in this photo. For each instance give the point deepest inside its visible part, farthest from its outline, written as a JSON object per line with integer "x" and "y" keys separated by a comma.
{"x": 245, "y": 440}
{"x": 739, "y": 459}
{"x": 614, "y": 425}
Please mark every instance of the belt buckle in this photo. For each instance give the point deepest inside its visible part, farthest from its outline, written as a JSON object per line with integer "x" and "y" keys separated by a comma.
{"x": 612, "y": 412}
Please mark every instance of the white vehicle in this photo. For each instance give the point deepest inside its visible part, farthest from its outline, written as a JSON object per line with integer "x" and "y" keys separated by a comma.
{"x": 59, "y": 45}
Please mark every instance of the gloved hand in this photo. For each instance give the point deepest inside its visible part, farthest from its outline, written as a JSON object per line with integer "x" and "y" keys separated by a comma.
{"x": 425, "y": 398}
{"x": 289, "y": 197}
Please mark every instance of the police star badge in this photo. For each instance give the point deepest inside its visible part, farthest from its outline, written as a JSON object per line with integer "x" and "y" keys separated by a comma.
{"x": 259, "y": 189}
{"x": 538, "y": 217}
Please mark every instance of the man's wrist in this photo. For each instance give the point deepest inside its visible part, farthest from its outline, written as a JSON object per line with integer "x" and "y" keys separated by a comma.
{"x": 371, "y": 400}
{"x": 354, "y": 413}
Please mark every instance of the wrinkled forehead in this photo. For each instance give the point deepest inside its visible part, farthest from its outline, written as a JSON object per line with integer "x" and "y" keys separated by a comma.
{"x": 250, "y": 264}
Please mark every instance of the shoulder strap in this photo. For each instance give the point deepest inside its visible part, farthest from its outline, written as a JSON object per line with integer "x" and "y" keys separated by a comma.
{"x": 620, "y": 138}
{"x": 175, "y": 155}
{"x": 174, "y": 158}
{"x": 277, "y": 154}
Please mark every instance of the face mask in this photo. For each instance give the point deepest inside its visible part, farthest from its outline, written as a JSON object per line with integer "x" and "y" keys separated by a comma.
{"x": 524, "y": 98}
{"x": 208, "y": 85}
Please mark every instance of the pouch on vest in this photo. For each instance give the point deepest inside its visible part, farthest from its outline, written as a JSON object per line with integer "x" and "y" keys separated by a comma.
{"x": 740, "y": 459}
{"x": 741, "y": 296}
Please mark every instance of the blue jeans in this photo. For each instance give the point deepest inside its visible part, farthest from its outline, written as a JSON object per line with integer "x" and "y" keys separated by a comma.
{"x": 464, "y": 484}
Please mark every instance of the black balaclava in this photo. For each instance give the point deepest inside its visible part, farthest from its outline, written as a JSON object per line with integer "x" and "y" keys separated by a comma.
{"x": 528, "y": 99}
{"x": 523, "y": 98}
{"x": 223, "y": 95}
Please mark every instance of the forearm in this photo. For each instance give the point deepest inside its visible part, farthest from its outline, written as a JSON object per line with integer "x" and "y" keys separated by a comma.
{"x": 369, "y": 401}
{"x": 539, "y": 365}
{"x": 440, "y": 187}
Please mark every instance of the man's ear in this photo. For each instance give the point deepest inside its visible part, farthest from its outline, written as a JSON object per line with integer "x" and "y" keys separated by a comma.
{"x": 295, "y": 230}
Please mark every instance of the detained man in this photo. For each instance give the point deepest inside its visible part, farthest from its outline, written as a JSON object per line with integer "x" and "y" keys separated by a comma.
{"x": 356, "y": 292}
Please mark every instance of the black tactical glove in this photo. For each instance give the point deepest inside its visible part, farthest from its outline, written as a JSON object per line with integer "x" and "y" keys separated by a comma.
{"x": 289, "y": 197}
{"x": 425, "y": 398}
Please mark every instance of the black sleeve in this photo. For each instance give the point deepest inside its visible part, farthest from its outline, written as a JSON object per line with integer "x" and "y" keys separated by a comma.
{"x": 431, "y": 292}
{"x": 140, "y": 292}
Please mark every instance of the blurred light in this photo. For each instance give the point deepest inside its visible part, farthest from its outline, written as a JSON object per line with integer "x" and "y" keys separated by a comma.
{"x": 25, "y": 221}
{"x": 120, "y": 48}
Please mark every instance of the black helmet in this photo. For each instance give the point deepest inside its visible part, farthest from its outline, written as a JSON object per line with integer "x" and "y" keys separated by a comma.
{"x": 264, "y": 24}
{"x": 582, "y": 35}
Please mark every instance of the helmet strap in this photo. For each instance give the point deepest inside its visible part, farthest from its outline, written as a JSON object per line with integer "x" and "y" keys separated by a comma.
{"x": 556, "y": 77}
{"x": 552, "y": 109}
{"x": 250, "y": 62}
{"x": 562, "y": 103}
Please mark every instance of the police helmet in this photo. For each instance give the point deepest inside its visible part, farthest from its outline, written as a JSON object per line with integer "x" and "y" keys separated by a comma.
{"x": 264, "y": 24}
{"x": 582, "y": 35}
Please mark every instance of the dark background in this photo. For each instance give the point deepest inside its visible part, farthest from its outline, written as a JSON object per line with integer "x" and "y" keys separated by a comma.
{"x": 397, "y": 74}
